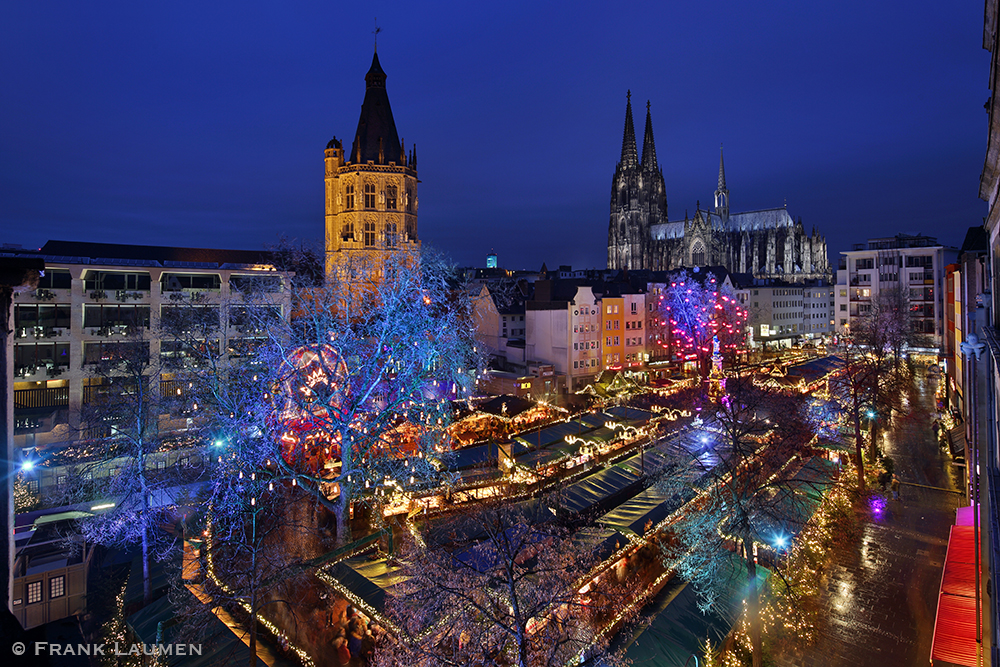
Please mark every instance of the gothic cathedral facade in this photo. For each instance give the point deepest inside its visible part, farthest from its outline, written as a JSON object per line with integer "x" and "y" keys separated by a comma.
{"x": 371, "y": 192}
{"x": 765, "y": 243}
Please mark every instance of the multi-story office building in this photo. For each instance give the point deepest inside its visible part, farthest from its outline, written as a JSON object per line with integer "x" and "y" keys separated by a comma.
{"x": 817, "y": 310}
{"x": 913, "y": 265}
{"x": 93, "y": 294}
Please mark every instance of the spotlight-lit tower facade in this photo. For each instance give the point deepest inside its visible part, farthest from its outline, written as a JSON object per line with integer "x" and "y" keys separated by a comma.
{"x": 371, "y": 192}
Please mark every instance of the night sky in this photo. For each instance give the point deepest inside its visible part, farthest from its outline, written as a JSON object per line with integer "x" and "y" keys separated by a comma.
{"x": 203, "y": 124}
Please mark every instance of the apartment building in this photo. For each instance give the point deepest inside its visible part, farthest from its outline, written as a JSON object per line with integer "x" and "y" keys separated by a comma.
{"x": 914, "y": 265}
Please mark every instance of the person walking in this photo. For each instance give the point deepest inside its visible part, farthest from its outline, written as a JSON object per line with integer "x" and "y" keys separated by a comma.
{"x": 895, "y": 487}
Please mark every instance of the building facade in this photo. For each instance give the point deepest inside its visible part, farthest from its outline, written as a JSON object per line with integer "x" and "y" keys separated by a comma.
{"x": 913, "y": 265}
{"x": 766, "y": 243}
{"x": 93, "y": 294}
{"x": 371, "y": 192}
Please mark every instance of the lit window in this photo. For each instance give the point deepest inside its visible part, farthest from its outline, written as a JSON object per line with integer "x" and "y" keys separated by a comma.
{"x": 34, "y": 592}
{"x": 390, "y": 197}
{"x": 57, "y": 586}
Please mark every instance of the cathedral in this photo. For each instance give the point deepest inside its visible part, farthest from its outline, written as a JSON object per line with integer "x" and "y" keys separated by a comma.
{"x": 765, "y": 243}
{"x": 371, "y": 192}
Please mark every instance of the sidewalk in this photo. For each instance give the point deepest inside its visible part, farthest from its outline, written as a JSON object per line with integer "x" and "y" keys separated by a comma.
{"x": 881, "y": 595}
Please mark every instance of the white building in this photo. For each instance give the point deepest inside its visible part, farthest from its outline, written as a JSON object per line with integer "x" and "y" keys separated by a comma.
{"x": 563, "y": 329}
{"x": 915, "y": 265}
{"x": 92, "y": 294}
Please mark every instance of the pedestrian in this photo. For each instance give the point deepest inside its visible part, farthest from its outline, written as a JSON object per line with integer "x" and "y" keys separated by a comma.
{"x": 895, "y": 487}
{"x": 937, "y": 427}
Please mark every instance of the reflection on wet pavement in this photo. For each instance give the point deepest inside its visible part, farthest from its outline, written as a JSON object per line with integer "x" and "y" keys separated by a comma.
{"x": 881, "y": 594}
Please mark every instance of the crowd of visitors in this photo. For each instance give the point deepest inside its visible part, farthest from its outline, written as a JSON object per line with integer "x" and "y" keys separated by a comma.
{"x": 354, "y": 638}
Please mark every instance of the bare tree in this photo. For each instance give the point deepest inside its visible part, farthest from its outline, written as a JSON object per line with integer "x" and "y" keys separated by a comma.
{"x": 121, "y": 420}
{"x": 745, "y": 501}
{"x": 500, "y": 585}
{"x": 348, "y": 392}
{"x": 852, "y": 388}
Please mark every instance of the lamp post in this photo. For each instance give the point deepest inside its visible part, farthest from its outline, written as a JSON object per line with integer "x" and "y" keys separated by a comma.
{"x": 972, "y": 349}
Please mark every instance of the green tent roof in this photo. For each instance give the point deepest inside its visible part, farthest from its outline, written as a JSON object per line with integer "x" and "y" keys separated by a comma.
{"x": 219, "y": 644}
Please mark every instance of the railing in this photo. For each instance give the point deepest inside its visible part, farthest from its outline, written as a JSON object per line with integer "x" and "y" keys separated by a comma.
{"x": 44, "y": 397}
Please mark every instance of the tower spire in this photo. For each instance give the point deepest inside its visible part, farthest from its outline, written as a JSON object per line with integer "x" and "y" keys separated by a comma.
{"x": 630, "y": 155}
{"x": 722, "y": 193}
{"x": 648, "y": 147}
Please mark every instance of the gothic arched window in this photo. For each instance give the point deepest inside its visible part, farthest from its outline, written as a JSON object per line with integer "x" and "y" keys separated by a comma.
{"x": 349, "y": 196}
{"x": 390, "y": 234}
{"x": 390, "y": 197}
{"x": 369, "y": 233}
{"x": 369, "y": 195}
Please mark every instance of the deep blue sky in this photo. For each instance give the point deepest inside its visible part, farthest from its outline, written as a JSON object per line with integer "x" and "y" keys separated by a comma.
{"x": 204, "y": 124}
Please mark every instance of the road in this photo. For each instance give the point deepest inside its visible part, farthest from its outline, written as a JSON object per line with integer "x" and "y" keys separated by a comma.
{"x": 881, "y": 595}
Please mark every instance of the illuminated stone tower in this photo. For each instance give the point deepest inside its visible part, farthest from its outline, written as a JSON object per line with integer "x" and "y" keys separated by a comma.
{"x": 371, "y": 192}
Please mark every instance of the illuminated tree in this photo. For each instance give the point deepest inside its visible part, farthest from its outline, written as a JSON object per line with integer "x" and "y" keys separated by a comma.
{"x": 349, "y": 394}
{"x": 744, "y": 482}
{"x": 512, "y": 590}
{"x": 698, "y": 308}
{"x": 121, "y": 416}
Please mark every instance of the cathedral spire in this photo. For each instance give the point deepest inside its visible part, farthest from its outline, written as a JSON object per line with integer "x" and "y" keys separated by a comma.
{"x": 648, "y": 147}
{"x": 722, "y": 193}
{"x": 630, "y": 155}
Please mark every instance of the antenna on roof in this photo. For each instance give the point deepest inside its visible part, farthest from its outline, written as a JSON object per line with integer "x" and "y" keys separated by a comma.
{"x": 375, "y": 32}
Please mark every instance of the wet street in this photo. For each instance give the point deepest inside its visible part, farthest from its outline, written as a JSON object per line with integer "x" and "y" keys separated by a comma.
{"x": 881, "y": 595}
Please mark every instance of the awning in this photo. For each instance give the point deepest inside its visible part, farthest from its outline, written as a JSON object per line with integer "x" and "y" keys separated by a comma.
{"x": 956, "y": 442}
{"x": 157, "y": 623}
{"x": 955, "y": 624}
{"x": 632, "y": 416}
{"x": 598, "y": 492}
{"x": 964, "y": 515}
{"x": 550, "y": 435}
{"x": 649, "y": 507}
{"x": 370, "y": 580}
{"x": 678, "y": 628}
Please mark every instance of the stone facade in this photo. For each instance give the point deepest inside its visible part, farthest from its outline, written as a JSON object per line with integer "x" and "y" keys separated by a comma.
{"x": 767, "y": 243}
{"x": 371, "y": 193}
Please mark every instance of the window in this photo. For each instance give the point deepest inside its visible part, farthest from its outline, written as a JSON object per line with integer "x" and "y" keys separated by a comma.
{"x": 349, "y": 197}
{"x": 843, "y": 307}
{"x": 634, "y": 305}
{"x": 390, "y": 234}
{"x": 369, "y": 233}
{"x": 57, "y": 586}
{"x": 33, "y": 486}
{"x": 347, "y": 232}
{"x": 617, "y": 340}
{"x": 617, "y": 324}
{"x": 576, "y": 364}
{"x": 609, "y": 310}
{"x": 34, "y": 592}
{"x": 369, "y": 195}
{"x": 608, "y": 325}
{"x": 390, "y": 197}
{"x": 60, "y": 482}
{"x": 609, "y": 341}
